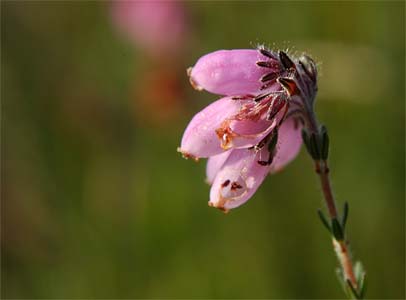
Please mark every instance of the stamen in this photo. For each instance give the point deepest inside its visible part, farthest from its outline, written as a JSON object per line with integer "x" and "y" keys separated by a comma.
{"x": 233, "y": 191}
{"x": 225, "y": 183}
{"x": 235, "y": 186}
{"x": 243, "y": 97}
{"x": 260, "y": 145}
{"x": 289, "y": 85}
{"x": 263, "y": 162}
{"x": 273, "y": 140}
{"x": 287, "y": 63}
{"x": 277, "y": 104}
{"x": 261, "y": 97}
{"x": 267, "y": 53}
{"x": 265, "y": 64}
{"x": 269, "y": 77}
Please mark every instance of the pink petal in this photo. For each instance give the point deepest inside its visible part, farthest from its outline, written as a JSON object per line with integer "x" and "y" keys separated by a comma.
{"x": 238, "y": 179}
{"x": 214, "y": 130}
{"x": 229, "y": 72}
{"x": 288, "y": 145}
{"x": 246, "y": 133}
{"x": 249, "y": 133}
{"x": 200, "y": 138}
{"x": 214, "y": 164}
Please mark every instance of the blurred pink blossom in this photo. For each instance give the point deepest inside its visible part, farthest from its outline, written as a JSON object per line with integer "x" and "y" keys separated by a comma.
{"x": 255, "y": 128}
{"x": 155, "y": 26}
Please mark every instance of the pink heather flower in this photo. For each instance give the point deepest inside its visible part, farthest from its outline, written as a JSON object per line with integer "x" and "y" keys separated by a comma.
{"x": 154, "y": 25}
{"x": 255, "y": 129}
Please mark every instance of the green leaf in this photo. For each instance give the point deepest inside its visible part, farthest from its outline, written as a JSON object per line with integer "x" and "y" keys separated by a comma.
{"x": 324, "y": 220}
{"x": 353, "y": 292}
{"x": 311, "y": 143}
{"x": 337, "y": 231}
{"x": 360, "y": 276}
{"x": 362, "y": 286}
{"x": 345, "y": 215}
{"x": 325, "y": 142}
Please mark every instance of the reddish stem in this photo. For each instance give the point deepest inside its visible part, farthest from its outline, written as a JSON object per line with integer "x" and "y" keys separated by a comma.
{"x": 341, "y": 247}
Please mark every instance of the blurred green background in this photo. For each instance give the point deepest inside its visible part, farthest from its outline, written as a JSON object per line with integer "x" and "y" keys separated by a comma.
{"x": 97, "y": 203}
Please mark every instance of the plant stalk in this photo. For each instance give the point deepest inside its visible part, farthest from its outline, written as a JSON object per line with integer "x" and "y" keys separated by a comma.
{"x": 340, "y": 247}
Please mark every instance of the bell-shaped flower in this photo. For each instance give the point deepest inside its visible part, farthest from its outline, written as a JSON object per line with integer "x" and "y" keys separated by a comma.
{"x": 235, "y": 175}
{"x": 256, "y": 129}
{"x": 230, "y": 72}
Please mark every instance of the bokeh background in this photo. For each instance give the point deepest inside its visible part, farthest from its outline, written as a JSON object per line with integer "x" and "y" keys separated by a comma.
{"x": 97, "y": 203}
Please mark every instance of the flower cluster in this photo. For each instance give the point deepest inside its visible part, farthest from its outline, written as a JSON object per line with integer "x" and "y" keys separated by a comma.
{"x": 255, "y": 129}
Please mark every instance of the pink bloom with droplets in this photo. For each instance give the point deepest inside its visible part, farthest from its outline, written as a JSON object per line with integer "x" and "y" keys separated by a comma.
{"x": 255, "y": 129}
{"x": 156, "y": 26}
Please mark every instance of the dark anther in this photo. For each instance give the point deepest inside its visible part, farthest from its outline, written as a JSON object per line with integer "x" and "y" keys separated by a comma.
{"x": 263, "y": 163}
{"x": 235, "y": 185}
{"x": 265, "y": 64}
{"x": 267, "y": 53}
{"x": 276, "y": 106}
{"x": 289, "y": 85}
{"x": 272, "y": 140}
{"x": 261, "y": 97}
{"x": 267, "y": 162}
{"x": 269, "y": 76}
{"x": 243, "y": 97}
{"x": 225, "y": 183}
{"x": 287, "y": 63}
